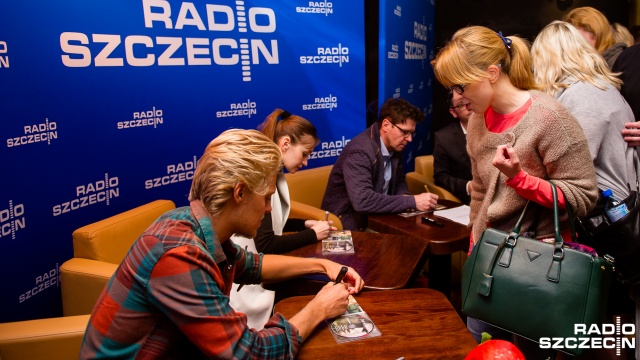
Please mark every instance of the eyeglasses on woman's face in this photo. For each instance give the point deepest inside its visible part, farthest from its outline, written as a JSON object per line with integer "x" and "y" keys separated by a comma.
{"x": 458, "y": 88}
{"x": 405, "y": 133}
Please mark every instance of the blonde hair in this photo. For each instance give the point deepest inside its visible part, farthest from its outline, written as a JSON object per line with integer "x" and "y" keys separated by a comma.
{"x": 471, "y": 50}
{"x": 593, "y": 21}
{"x": 622, "y": 35}
{"x": 559, "y": 51}
{"x": 294, "y": 126}
{"x": 235, "y": 156}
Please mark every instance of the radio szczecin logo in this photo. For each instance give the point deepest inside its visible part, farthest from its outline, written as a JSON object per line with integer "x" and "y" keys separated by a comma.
{"x": 36, "y": 133}
{"x": 244, "y": 108}
{"x": 328, "y": 55}
{"x": 100, "y": 191}
{"x": 316, "y": 7}
{"x": 605, "y": 336}
{"x": 176, "y": 173}
{"x": 4, "y": 58}
{"x": 147, "y": 118}
{"x": 12, "y": 219}
{"x": 322, "y": 103}
{"x": 84, "y": 50}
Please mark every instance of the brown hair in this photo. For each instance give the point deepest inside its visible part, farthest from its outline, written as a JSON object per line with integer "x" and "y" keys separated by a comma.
{"x": 471, "y": 50}
{"x": 294, "y": 126}
{"x": 398, "y": 110}
{"x": 593, "y": 21}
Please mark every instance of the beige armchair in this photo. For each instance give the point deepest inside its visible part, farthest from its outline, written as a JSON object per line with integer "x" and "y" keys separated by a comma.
{"x": 43, "y": 339}
{"x": 423, "y": 175}
{"x": 98, "y": 249}
{"x": 306, "y": 190}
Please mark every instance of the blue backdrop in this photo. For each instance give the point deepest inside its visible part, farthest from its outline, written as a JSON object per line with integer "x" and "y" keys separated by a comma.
{"x": 107, "y": 104}
{"x": 406, "y": 47}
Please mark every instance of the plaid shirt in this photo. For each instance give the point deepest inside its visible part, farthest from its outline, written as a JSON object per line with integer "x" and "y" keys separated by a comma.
{"x": 170, "y": 299}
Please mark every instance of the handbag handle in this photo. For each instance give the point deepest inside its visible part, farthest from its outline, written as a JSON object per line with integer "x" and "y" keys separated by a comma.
{"x": 553, "y": 274}
{"x": 505, "y": 249}
{"x": 556, "y": 217}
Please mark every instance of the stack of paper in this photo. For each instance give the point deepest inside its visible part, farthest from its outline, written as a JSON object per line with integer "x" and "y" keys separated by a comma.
{"x": 458, "y": 214}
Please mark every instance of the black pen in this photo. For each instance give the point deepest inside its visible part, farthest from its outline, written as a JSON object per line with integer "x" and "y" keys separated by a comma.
{"x": 431, "y": 221}
{"x": 341, "y": 275}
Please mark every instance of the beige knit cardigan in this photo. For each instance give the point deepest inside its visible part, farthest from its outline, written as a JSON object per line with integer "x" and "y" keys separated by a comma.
{"x": 550, "y": 145}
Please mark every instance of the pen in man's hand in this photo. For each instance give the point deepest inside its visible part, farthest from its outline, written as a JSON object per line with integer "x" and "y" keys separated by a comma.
{"x": 326, "y": 215}
{"x": 426, "y": 188}
{"x": 341, "y": 275}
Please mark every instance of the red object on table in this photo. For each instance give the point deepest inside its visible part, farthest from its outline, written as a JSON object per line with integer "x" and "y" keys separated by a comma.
{"x": 495, "y": 349}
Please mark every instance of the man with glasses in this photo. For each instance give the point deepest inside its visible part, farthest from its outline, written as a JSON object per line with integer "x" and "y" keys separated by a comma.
{"x": 368, "y": 176}
{"x": 451, "y": 163}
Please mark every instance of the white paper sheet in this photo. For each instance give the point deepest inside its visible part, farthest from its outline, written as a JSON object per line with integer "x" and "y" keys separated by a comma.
{"x": 458, "y": 214}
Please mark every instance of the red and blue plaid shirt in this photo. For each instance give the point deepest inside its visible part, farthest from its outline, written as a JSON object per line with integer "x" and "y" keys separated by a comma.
{"x": 169, "y": 298}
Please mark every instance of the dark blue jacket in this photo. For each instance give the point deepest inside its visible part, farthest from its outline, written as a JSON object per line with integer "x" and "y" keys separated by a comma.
{"x": 357, "y": 179}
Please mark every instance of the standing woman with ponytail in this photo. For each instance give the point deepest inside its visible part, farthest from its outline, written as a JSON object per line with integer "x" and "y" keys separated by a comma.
{"x": 296, "y": 137}
{"x": 517, "y": 138}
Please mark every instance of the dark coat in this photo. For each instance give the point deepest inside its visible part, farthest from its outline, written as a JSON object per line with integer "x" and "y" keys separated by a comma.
{"x": 357, "y": 179}
{"x": 627, "y": 63}
{"x": 451, "y": 164}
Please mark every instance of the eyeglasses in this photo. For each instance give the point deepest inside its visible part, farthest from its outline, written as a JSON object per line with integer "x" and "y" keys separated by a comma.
{"x": 405, "y": 133}
{"x": 459, "y": 107}
{"x": 458, "y": 88}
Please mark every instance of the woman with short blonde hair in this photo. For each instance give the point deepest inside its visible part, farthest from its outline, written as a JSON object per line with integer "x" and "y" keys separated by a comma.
{"x": 295, "y": 138}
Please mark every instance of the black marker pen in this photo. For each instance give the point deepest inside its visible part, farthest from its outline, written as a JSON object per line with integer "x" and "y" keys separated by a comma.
{"x": 341, "y": 275}
{"x": 431, "y": 221}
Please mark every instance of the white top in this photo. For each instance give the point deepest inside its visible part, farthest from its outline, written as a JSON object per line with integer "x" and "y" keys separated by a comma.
{"x": 253, "y": 300}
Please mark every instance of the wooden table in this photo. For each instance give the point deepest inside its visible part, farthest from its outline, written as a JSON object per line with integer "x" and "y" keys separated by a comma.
{"x": 443, "y": 241}
{"x": 415, "y": 324}
{"x": 384, "y": 261}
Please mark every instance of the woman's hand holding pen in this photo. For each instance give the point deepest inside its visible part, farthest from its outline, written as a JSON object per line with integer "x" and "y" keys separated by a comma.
{"x": 322, "y": 228}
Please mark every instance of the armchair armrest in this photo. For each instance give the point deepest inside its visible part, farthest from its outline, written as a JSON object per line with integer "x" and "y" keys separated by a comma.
{"x": 82, "y": 282}
{"x": 308, "y": 212}
{"x": 51, "y": 339}
{"x": 416, "y": 182}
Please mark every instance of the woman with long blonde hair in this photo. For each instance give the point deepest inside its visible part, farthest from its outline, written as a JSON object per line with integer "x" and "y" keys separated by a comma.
{"x": 570, "y": 70}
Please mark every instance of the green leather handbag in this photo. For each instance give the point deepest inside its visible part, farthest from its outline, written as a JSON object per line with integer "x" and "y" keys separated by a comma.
{"x": 532, "y": 288}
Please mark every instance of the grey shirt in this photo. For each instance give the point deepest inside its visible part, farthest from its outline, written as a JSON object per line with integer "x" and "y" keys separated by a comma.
{"x": 602, "y": 115}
